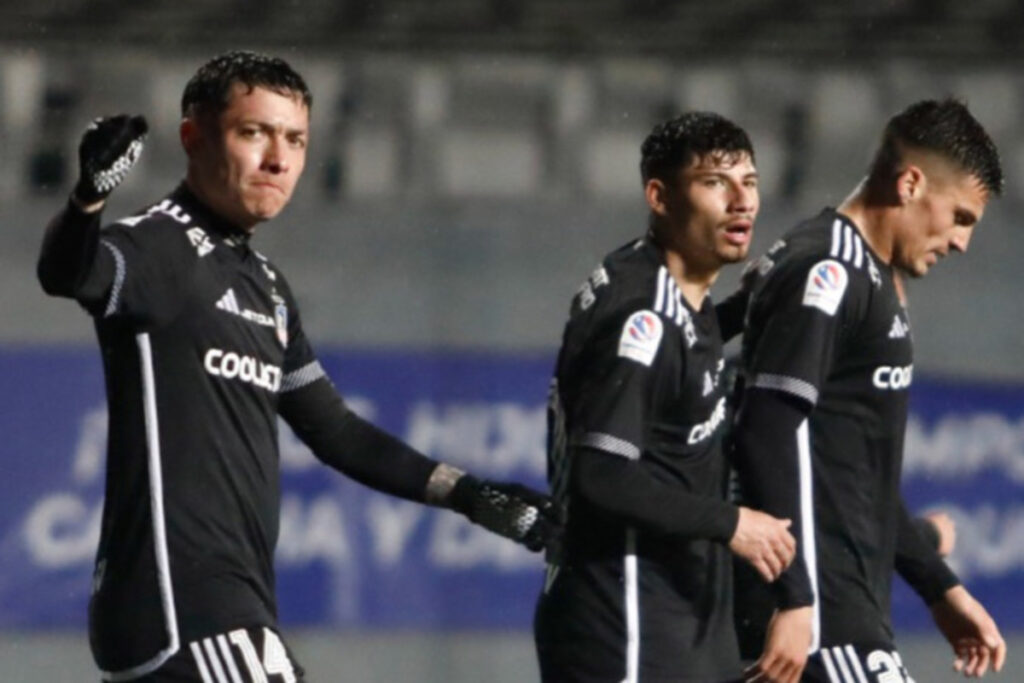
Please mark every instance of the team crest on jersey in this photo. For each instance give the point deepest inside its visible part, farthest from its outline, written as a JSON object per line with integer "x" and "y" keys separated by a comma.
{"x": 280, "y": 319}
{"x": 641, "y": 337}
{"x": 826, "y": 284}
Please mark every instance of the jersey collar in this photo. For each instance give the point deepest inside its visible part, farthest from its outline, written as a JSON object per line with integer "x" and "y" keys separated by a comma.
{"x": 210, "y": 221}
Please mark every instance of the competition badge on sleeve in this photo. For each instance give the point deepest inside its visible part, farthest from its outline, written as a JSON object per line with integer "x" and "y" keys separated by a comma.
{"x": 281, "y": 319}
{"x": 826, "y": 284}
{"x": 640, "y": 337}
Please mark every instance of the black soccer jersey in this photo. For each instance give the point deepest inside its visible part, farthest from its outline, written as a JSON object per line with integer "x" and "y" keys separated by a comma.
{"x": 641, "y": 589}
{"x": 827, "y": 328}
{"x": 200, "y": 337}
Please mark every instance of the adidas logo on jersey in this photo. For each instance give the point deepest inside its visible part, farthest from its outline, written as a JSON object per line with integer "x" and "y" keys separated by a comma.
{"x": 229, "y": 303}
{"x": 899, "y": 329}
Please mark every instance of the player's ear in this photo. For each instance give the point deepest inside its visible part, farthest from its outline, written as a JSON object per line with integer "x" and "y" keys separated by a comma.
{"x": 910, "y": 183}
{"x": 189, "y": 133}
{"x": 655, "y": 192}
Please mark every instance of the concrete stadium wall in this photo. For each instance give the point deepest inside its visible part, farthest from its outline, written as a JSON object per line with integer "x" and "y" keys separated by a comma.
{"x": 499, "y": 276}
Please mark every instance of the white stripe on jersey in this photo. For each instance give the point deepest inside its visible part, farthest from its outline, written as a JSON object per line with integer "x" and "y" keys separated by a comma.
{"x": 848, "y": 245}
{"x": 830, "y": 668}
{"x": 680, "y": 309}
{"x": 211, "y": 652}
{"x": 120, "y": 270}
{"x": 843, "y": 666}
{"x": 632, "y": 609}
{"x": 659, "y": 301}
{"x": 803, "y": 441}
{"x": 225, "y": 651}
{"x": 672, "y": 299}
{"x": 156, "y": 503}
{"x": 197, "y": 655}
{"x": 855, "y": 663}
{"x": 669, "y": 300}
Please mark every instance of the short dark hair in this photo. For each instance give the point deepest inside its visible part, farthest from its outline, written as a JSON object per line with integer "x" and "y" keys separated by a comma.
{"x": 209, "y": 89}
{"x": 947, "y": 128}
{"x": 673, "y": 144}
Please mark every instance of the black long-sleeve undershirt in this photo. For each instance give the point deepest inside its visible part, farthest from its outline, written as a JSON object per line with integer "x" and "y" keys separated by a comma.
{"x": 343, "y": 440}
{"x": 70, "y": 260}
{"x": 768, "y": 463}
{"x": 626, "y": 489}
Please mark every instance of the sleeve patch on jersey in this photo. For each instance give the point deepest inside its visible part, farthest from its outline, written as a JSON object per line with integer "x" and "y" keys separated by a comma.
{"x": 641, "y": 337}
{"x": 826, "y": 284}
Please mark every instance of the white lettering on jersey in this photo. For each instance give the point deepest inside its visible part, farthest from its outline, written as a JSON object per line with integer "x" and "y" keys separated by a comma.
{"x": 826, "y": 284}
{"x": 708, "y": 427}
{"x": 200, "y": 240}
{"x": 586, "y": 294}
{"x": 229, "y": 303}
{"x": 895, "y": 378}
{"x": 709, "y": 384}
{"x": 641, "y": 337}
{"x": 899, "y": 329}
{"x": 166, "y": 207}
{"x": 230, "y": 365}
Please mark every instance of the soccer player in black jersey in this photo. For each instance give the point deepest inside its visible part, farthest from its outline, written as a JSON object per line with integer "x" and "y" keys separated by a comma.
{"x": 642, "y": 588}
{"x": 827, "y": 364}
{"x": 203, "y": 348}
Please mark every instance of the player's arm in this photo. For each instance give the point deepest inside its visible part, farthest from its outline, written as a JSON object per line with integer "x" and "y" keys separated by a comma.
{"x": 628, "y": 490}
{"x": 939, "y": 529}
{"x": 346, "y": 442}
{"x": 799, "y": 312}
{"x": 918, "y": 561}
{"x": 72, "y": 263}
{"x": 966, "y": 624}
{"x": 632, "y": 365}
{"x": 929, "y": 532}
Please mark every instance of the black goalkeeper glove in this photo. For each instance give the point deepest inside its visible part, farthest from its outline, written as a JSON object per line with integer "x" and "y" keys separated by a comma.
{"x": 510, "y": 510}
{"x": 108, "y": 151}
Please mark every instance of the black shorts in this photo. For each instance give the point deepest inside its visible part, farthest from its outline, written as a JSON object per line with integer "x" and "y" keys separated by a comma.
{"x": 254, "y": 655}
{"x": 856, "y": 663}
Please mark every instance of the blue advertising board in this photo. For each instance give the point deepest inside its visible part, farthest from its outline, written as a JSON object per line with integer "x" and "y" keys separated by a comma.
{"x": 349, "y": 557}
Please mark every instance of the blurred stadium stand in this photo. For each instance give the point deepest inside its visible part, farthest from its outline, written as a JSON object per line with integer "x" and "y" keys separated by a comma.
{"x": 471, "y": 161}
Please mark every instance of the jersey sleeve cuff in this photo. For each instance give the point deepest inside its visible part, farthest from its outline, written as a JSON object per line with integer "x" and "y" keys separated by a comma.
{"x": 609, "y": 444}
{"x": 794, "y": 386}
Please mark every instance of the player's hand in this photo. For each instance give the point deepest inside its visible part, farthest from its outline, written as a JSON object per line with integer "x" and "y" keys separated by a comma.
{"x": 764, "y": 542}
{"x": 510, "y": 510}
{"x": 785, "y": 649}
{"x": 109, "y": 149}
{"x": 973, "y": 634}
{"x": 946, "y": 528}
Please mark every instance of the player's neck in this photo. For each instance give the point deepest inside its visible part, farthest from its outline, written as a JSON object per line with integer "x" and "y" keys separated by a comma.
{"x": 871, "y": 222}
{"x": 693, "y": 281}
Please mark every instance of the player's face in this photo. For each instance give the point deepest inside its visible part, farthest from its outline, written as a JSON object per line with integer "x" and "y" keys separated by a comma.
{"x": 941, "y": 220}
{"x": 246, "y": 163}
{"x": 718, "y": 203}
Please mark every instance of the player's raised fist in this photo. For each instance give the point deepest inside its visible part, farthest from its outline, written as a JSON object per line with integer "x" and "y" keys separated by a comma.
{"x": 109, "y": 149}
{"x": 510, "y": 510}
